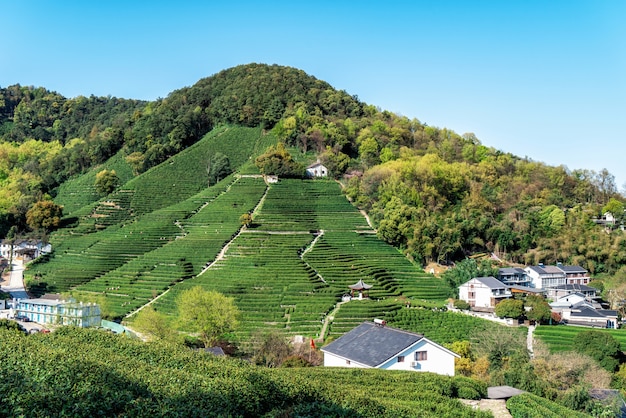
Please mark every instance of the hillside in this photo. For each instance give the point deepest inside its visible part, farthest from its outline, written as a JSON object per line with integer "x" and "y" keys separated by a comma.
{"x": 185, "y": 173}
{"x": 437, "y": 195}
{"x": 91, "y": 373}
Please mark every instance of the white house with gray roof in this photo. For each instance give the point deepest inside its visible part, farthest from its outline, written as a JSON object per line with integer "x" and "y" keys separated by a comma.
{"x": 545, "y": 277}
{"x": 484, "y": 292}
{"x": 375, "y": 345}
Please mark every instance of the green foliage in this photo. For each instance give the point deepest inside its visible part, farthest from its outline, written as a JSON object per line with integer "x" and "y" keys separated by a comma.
{"x": 218, "y": 167}
{"x": 540, "y": 309}
{"x": 153, "y": 325}
{"x": 78, "y": 372}
{"x": 106, "y": 182}
{"x": 616, "y": 208}
{"x": 528, "y": 405}
{"x": 441, "y": 327}
{"x": 600, "y": 346}
{"x": 461, "y": 304}
{"x": 465, "y": 270}
{"x": 44, "y": 216}
{"x": 500, "y": 345}
{"x": 510, "y": 308}
{"x": 278, "y": 161}
{"x": 209, "y": 313}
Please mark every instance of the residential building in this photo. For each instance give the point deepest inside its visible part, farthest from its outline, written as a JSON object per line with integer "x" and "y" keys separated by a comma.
{"x": 567, "y": 289}
{"x": 589, "y": 317}
{"x": 317, "y": 170}
{"x": 29, "y": 249}
{"x": 513, "y": 276}
{"x": 575, "y": 275}
{"x": 61, "y": 312}
{"x": 375, "y": 345}
{"x": 484, "y": 292}
{"x": 545, "y": 277}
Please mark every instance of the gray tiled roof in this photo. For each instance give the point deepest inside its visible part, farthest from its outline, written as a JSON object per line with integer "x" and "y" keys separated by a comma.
{"x": 575, "y": 287}
{"x": 573, "y": 269}
{"x": 371, "y": 344}
{"x": 537, "y": 269}
{"x": 587, "y": 313}
{"x": 491, "y": 282}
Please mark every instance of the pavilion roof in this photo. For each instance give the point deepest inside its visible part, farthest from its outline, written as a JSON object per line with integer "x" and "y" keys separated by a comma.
{"x": 360, "y": 285}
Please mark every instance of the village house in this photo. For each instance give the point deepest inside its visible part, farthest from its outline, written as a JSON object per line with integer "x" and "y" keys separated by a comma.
{"x": 545, "y": 277}
{"x": 484, "y": 292}
{"x": 29, "y": 249}
{"x": 59, "y": 312}
{"x": 375, "y": 345}
{"x": 317, "y": 170}
{"x": 513, "y": 276}
{"x": 557, "y": 292}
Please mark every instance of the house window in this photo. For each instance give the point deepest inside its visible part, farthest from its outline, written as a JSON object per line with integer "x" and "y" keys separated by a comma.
{"x": 400, "y": 359}
{"x": 421, "y": 355}
{"x": 348, "y": 362}
{"x": 472, "y": 295}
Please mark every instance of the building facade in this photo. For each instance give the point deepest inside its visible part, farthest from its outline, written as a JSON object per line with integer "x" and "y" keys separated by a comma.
{"x": 372, "y": 345}
{"x": 484, "y": 292}
{"x": 59, "y": 312}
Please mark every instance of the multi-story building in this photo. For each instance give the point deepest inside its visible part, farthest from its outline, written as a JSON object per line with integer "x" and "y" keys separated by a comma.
{"x": 484, "y": 292}
{"x": 513, "y": 276}
{"x": 59, "y": 312}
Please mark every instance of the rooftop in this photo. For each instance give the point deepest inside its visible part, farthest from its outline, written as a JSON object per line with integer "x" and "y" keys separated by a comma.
{"x": 371, "y": 344}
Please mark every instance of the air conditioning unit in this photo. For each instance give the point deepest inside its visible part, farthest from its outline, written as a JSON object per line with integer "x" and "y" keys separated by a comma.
{"x": 414, "y": 364}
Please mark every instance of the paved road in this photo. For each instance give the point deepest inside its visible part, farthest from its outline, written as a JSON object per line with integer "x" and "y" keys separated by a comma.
{"x": 16, "y": 281}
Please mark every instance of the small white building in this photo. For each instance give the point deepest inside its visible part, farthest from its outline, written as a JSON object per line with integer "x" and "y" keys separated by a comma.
{"x": 59, "y": 312}
{"x": 375, "y": 345}
{"x": 29, "y": 249}
{"x": 484, "y": 292}
{"x": 317, "y": 170}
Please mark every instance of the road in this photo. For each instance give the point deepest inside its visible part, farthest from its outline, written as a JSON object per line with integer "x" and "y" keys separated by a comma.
{"x": 16, "y": 281}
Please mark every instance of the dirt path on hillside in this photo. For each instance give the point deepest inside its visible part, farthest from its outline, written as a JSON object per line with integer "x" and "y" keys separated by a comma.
{"x": 219, "y": 257}
{"x": 496, "y": 406}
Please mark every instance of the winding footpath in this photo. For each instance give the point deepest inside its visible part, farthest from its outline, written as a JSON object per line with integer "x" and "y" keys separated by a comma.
{"x": 220, "y": 256}
{"x": 16, "y": 281}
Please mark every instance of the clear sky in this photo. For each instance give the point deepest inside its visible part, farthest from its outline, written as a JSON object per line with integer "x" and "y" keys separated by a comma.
{"x": 542, "y": 79}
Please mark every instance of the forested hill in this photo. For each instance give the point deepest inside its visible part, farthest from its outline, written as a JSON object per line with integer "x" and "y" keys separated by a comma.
{"x": 434, "y": 193}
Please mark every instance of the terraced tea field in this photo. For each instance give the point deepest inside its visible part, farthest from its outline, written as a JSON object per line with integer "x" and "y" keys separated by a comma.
{"x": 291, "y": 268}
{"x": 561, "y": 337}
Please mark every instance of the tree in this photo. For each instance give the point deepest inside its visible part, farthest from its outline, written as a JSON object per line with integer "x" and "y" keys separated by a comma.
{"x": 278, "y": 161}
{"x": 207, "y": 312}
{"x": 45, "y": 215}
{"x": 539, "y": 309}
{"x": 510, "y": 308}
{"x": 601, "y": 346}
{"x": 615, "y": 208}
{"x": 106, "y": 182}
{"x": 271, "y": 348}
{"x": 153, "y": 324}
{"x": 498, "y": 345}
{"x": 246, "y": 220}
{"x": 218, "y": 167}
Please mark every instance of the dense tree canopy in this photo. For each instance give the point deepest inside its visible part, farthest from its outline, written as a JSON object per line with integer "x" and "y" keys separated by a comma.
{"x": 209, "y": 313}
{"x": 45, "y": 215}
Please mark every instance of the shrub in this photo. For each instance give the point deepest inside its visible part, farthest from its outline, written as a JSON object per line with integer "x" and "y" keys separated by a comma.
{"x": 461, "y": 304}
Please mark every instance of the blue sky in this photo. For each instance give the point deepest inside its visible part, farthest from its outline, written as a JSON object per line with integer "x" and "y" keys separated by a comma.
{"x": 542, "y": 79}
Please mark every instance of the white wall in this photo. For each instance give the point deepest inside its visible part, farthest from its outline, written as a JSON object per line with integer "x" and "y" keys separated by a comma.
{"x": 482, "y": 297}
{"x": 331, "y": 360}
{"x": 438, "y": 360}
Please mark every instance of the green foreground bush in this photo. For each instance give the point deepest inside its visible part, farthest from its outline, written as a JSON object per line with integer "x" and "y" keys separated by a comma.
{"x": 80, "y": 373}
